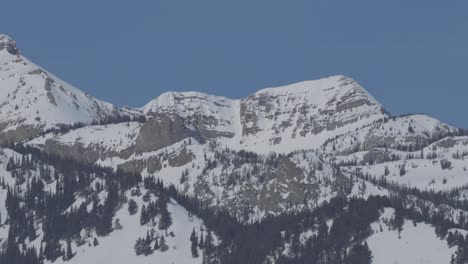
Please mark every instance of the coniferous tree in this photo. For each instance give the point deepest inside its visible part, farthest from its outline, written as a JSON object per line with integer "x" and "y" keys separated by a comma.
{"x": 52, "y": 249}
{"x": 117, "y": 224}
{"x": 69, "y": 253}
{"x": 403, "y": 170}
{"x": 31, "y": 229}
{"x": 143, "y": 216}
{"x": 132, "y": 207}
{"x": 386, "y": 171}
{"x": 208, "y": 248}
{"x": 141, "y": 247}
{"x": 95, "y": 242}
{"x": 41, "y": 252}
{"x": 201, "y": 243}
{"x": 162, "y": 244}
{"x": 165, "y": 221}
{"x": 194, "y": 244}
{"x": 156, "y": 244}
{"x": 104, "y": 226}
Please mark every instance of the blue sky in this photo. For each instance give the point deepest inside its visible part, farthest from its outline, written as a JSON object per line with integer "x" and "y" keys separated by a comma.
{"x": 411, "y": 55}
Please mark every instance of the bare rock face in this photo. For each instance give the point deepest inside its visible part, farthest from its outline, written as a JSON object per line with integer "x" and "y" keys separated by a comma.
{"x": 209, "y": 116}
{"x": 287, "y": 174}
{"x": 182, "y": 158}
{"x": 8, "y": 44}
{"x": 76, "y": 152}
{"x": 152, "y": 164}
{"x": 20, "y": 134}
{"x": 161, "y": 131}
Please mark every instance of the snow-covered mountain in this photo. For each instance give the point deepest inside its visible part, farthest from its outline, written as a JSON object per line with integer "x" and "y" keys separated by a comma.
{"x": 33, "y": 100}
{"x": 277, "y": 166}
{"x": 311, "y": 125}
{"x": 281, "y": 119}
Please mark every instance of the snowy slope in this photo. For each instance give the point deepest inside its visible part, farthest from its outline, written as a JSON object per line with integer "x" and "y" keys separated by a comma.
{"x": 109, "y": 138}
{"x": 409, "y": 132}
{"x": 118, "y": 246}
{"x": 33, "y": 99}
{"x": 440, "y": 166}
{"x": 415, "y": 244}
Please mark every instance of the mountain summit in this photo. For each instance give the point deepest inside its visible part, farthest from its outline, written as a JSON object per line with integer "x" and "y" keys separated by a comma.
{"x": 282, "y": 119}
{"x": 8, "y": 44}
{"x": 33, "y": 100}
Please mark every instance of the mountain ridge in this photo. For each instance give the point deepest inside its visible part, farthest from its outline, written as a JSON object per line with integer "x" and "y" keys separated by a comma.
{"x": 274, "y": 175}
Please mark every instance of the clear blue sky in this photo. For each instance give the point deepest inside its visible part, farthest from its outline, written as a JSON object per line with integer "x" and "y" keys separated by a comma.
{"x": 411, "y": 55}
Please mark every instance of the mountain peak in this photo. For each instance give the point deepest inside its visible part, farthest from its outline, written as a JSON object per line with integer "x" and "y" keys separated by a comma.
{"x": 33, "y": 100}
{"x": 329, "y": 91}
{"x": 169, "y": 100}
{"x": 317, "y": 85}
{"x": 8, "y": 44}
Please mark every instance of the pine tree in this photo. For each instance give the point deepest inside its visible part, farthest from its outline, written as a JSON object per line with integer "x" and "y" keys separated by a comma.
{"x": 117, "y": 225}
{"x": 165, "y": 221}
{"x": 11, "y": 164}
{"x": 95, "y": 242}
{"x": 162, "y": 244}
{"x": 194, "y": 245}
{"x": 143, "y": 216}
{"x": 132, "y": 207}
{"x": 41, "y": 252}
{"x": 52, "y": 249}
{"x": 208, "y": 248}
{"x": 403, "y": 170}
{"x": 69, "y": 254}
{"x": 104, "y": 226}
{"x": 386, "y": 171}
{"x": 201, "y": 243}
{"x": 31, "y": 229}
{"x": 143, "y": 246}
{"x": 140, "y": 247}
{"x": 156, "y": 244}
